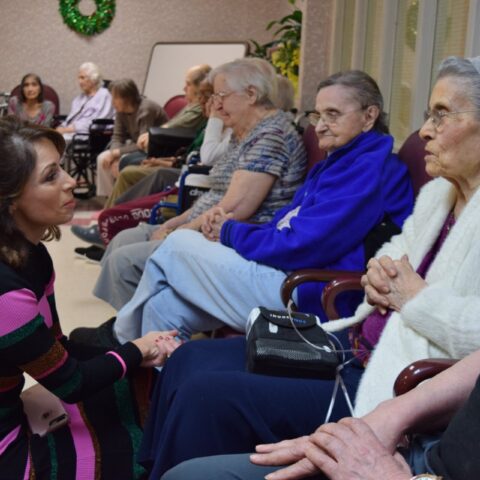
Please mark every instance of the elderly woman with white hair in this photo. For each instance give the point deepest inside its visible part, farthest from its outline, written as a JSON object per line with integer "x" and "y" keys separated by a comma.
{"x": 94, "y": 102}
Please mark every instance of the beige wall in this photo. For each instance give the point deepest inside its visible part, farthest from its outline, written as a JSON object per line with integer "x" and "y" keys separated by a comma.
{"x": 33, "y": 36}
{"x": 315, "y": 56}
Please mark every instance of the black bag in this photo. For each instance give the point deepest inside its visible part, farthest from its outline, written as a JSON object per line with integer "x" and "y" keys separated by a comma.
{"x": 274, "y": 347}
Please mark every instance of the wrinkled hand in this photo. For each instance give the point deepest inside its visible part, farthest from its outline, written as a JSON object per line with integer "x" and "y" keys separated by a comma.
{"x": 161, "y": 233}
{"x": 376, "y": 282}
{"x": 212, "y": 223}
{"x": 142, "y": 141}
{"x": 284, "y": 453}
{"x": 194, "y": 224}
{"x": 405, "y": 285}
{"x": 156, "y": 347}
{"x": 347, "y": 450}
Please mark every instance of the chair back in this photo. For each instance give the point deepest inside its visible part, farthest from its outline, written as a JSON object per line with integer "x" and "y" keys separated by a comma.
{"x": 412, "y": 153}
{"x": 174, "y": 105}
{"x": 48, "y": 94}
{"x": 314, "y": 153}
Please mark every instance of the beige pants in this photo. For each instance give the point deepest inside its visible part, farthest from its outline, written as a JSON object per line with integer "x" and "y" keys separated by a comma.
{"x": 105, "y": 179}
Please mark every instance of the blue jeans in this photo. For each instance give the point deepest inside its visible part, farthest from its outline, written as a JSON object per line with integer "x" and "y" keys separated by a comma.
{"x": 192, "y": 285}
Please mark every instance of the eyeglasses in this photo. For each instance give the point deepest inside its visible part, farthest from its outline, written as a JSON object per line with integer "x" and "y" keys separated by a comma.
{"x": 437, "y": 116}
{"x": 220, "y": 96}
{"x": 330, "y": 117}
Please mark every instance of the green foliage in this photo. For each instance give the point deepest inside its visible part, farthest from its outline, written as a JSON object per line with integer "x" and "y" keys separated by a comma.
{"x": 283, "y": 52}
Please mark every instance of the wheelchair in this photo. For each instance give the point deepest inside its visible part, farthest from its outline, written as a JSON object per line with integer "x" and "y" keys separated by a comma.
{"x": 81, "y": 155}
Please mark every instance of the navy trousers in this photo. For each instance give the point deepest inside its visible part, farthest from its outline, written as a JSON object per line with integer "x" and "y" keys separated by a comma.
{"x": 206, "y": 403}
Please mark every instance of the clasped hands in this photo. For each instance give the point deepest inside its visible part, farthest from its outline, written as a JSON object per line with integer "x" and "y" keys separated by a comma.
{"x": 389, "y": 284}
{"x": 156, "y": 347}
{"x": 213, "y": 220}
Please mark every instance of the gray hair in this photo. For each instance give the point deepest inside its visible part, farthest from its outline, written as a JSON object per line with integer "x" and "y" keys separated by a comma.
{"x": 468, "y": 71}
{"x": 365, "y": 90}
{"x": 250, "y": 72}
{"x": 92, "y": 71}
{"x": 285, "y": 94}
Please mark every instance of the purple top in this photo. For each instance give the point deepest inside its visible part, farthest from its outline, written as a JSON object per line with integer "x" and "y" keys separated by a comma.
{"x": 85, "y": 109}
{"x": 365, "y": 336}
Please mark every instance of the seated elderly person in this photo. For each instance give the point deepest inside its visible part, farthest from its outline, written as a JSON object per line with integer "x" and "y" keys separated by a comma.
{"x": 94, "y": 102}
{"x": 424, "y": 283}
{"x": 135, "y": 115}
{"x": 366, "y": 448}
{"x": 191, "y": 116}
{"x": 263, "y": 167}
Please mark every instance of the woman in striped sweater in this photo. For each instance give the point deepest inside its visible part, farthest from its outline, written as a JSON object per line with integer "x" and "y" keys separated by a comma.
{"x": 103, "y": 396}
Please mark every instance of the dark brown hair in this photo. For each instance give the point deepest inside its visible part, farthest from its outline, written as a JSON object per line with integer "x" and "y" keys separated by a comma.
{"x": 38, "y": 80}
{"x": 127, "y": 90}
{"x": 18, "y": 159}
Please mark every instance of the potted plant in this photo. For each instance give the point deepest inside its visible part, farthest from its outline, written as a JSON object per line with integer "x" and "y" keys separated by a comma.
{"x": 283, "y": 52}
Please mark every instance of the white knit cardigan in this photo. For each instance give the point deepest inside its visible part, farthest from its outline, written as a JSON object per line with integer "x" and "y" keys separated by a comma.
{"x": 443, "y": 320}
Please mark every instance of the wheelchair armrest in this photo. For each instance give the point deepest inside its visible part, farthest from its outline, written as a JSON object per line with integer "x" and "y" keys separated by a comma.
{"x": 419, "y": 371}
{"x": 201, "y": 169}
{"x": 338, "y": 281}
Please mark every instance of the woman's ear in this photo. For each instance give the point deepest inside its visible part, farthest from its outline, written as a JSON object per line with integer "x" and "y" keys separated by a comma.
{"x": 252, "y": 95}
{"x": 372, "y": 112}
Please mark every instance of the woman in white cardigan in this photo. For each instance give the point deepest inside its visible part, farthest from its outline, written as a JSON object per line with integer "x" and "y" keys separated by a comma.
{"x": 432, "y": 315}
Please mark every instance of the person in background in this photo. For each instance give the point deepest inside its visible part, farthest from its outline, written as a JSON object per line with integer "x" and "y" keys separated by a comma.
{"x": 191, "y": 116}
{"x": 102, "y": 390}
{"x": 94, "y": 102}
{"x": 134, "y": 116}
{"x": 31, "y": 106}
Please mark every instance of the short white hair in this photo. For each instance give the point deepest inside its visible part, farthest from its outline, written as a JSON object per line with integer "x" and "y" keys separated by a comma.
{"x": 250, "y": 72}
{"x": 92, "y": 71}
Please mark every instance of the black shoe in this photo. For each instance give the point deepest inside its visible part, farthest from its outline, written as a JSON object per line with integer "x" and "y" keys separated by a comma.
{"x": 88, "y": 234}
{"x": 92, "y": 253}
{"x": 101, "y": 336}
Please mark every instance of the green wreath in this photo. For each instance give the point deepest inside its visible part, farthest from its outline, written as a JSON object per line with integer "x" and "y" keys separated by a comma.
{"x": 92, "y": 24}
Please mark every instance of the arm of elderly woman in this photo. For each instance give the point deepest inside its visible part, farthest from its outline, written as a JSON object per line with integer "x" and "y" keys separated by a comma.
{"x": 363, "y": 448}
{"x": 245, "y": 194}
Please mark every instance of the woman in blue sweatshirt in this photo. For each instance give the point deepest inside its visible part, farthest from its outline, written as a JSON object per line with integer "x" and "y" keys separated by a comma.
{"x": 205, "y": 402}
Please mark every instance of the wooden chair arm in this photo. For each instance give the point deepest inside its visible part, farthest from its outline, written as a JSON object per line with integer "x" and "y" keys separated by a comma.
{"x": 419, "y": 371}
{"x": 338, "y": 281}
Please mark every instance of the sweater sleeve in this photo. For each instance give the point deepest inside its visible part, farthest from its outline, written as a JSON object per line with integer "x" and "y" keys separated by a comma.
{"x": 120, "y": 133}
{"x": 340, "y": 206}
{"x": 455, "y": 318}
{"x": 28, "y": 344}
{"x": 215, "y": 142}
